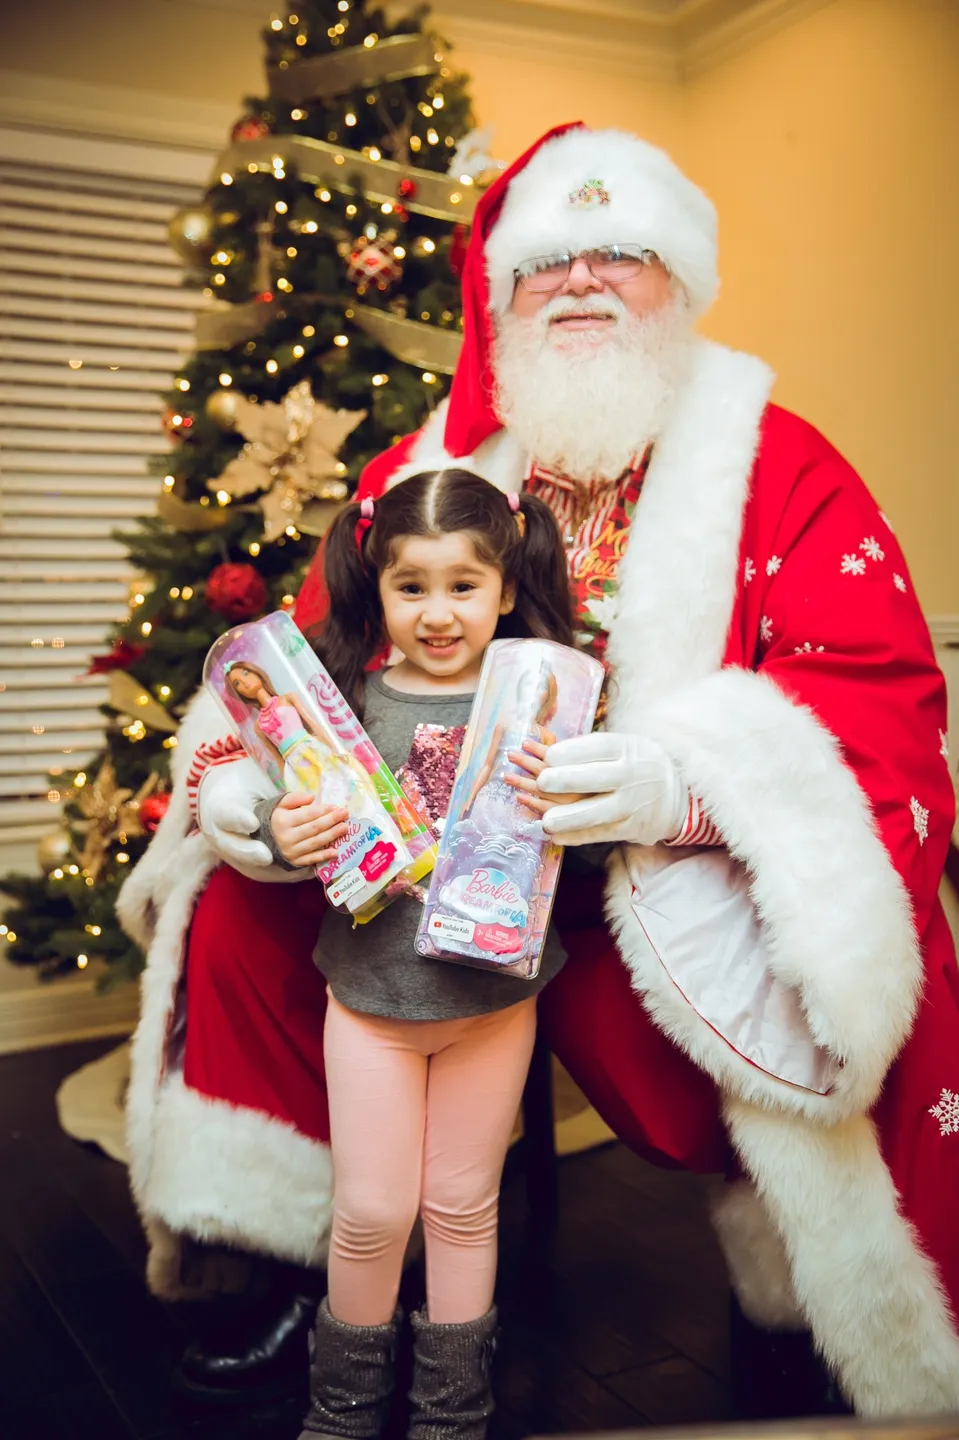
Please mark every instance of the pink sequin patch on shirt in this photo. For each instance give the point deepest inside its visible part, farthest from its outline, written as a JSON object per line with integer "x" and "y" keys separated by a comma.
{"x": 428, "y": 775}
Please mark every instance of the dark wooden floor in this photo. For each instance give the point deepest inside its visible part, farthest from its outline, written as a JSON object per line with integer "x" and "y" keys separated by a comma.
{"x": 620, "y": 1319}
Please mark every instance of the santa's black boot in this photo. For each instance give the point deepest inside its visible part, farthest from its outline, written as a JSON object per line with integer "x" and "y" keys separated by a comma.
{"x": 261, "y": 1352}
{"x": 777, "y": 1374}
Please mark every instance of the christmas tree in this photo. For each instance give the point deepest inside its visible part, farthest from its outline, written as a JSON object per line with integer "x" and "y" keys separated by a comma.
{"x": 329, "y": 245}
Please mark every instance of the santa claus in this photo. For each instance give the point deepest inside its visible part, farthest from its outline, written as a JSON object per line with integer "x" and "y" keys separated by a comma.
{"x": 761, "y": 980}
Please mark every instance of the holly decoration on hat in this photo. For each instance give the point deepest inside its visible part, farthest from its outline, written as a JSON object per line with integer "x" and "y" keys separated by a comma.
{"x": 407, "y": 188}
{"x": 237, "y": 592}
{"x": 373, "y": 262}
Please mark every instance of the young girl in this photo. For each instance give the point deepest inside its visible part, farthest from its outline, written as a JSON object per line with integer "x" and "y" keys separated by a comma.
{"x": 426, "y": 1060}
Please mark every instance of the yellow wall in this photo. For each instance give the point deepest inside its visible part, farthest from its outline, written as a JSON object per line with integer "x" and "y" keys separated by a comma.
{"x": 170, "y": 47}
{"x": 832, "y": 153}
{"x": 521, "y": 98}
{"x": 831, "y": 150}
{"x": 196, "y": 51}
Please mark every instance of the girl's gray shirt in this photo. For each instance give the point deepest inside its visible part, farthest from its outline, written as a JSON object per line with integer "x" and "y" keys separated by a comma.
{"x": 374, "y": 968}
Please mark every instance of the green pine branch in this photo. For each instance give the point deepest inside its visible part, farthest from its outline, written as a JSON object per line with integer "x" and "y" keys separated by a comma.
{"x": 297, "y": 238}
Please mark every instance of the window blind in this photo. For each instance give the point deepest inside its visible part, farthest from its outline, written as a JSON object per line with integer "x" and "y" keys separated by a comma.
{"x": 93, "y": 322}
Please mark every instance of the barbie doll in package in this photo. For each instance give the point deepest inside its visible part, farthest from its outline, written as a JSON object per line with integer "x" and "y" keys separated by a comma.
{"x": 297, "y": 726}
{"x": 495, "y": 877}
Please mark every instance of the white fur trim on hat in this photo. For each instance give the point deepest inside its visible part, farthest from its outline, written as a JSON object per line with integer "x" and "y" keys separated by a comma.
{"x": 649, "y": 202}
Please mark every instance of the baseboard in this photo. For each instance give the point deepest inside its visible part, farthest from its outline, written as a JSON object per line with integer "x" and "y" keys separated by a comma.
{"x": 944, "y": 629}
{"x": 36, "y": 1014}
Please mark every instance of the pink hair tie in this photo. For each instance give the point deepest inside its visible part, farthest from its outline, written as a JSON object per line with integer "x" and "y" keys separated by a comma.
{"x": 512, "y": 500}
{"x": 364, "y": 522}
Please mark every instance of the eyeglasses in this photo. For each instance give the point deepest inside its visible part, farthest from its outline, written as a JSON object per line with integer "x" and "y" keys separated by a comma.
{"x": 611, "y": 265}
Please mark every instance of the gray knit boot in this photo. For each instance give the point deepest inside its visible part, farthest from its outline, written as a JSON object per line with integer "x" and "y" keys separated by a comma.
{"x": 451, "y": 1397}
{"x": 351, "y": 1377}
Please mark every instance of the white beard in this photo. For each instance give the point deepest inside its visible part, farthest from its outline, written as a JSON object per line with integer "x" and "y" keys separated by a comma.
{"x": 587, "y": 404}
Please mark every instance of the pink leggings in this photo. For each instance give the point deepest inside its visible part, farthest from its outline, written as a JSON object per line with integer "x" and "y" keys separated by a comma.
{"x": 421, "y": 1114}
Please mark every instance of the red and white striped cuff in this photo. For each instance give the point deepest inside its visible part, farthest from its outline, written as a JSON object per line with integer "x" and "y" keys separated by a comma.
{"x": 218, "y": 752}
{"x": 697, "y": 829}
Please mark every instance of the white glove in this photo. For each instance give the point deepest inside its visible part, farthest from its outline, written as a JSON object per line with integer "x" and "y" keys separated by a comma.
{"x": 225, "y": 812}
{"x": 631, "y": 791}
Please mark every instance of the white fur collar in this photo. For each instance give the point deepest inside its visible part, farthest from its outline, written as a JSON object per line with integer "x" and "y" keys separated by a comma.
{"x": 678, "y": 578}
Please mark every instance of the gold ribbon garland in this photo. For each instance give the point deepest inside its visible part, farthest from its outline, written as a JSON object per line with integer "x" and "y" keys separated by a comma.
{"x": 128, "y": 696}
{"x": 401, "y": 57}
{"x": 221, "y": 325}
{"x": 319, "y": 163}
{"x": 426, "y": 346}
{"x": 188, "y": 518}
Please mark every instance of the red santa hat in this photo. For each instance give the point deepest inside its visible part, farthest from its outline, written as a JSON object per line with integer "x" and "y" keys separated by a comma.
{"x": 575, "y": 189}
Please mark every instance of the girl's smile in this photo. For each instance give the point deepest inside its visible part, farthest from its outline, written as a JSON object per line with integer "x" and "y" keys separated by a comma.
{"x": 441, "y": 605}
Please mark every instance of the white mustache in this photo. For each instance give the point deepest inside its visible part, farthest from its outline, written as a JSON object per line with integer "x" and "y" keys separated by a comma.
{"x": 609, "y": 308}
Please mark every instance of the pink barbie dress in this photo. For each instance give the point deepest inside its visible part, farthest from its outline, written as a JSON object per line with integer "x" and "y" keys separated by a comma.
{"x": 310, "y": 764}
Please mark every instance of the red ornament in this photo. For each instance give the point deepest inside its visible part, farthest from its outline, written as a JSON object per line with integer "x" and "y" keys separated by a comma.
{"x": 121, "y": 657}
{"x": 401, "y": 213}
{"x": 249, "y": 127}
{"x": 458, "y": 244}
{"x": 264, "y": 297}
{"x": 152, "y": 810}
{"x": 238, "y": 592}
{"x": 407, "y": 189}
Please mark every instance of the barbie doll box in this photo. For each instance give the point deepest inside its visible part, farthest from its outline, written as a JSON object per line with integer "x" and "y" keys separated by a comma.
{"x": 296, "y": 725}
{"x": 495, "y": 878}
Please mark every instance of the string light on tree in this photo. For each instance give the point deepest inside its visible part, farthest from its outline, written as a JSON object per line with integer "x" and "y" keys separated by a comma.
{"x": 263, "y": 344}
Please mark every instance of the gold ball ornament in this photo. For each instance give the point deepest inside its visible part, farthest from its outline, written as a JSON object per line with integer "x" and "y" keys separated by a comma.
{"x": 221, "y": 407}
{"x": 190, "y": 233}
{"x": 54, "y": 851}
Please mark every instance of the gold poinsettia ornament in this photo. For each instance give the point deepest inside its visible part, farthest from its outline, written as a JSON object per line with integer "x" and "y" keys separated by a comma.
{"x": 111, "y": 813}
{"x": 290, "y": 453}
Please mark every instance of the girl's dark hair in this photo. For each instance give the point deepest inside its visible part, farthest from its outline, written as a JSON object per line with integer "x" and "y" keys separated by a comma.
{"x": 527, "y": 551}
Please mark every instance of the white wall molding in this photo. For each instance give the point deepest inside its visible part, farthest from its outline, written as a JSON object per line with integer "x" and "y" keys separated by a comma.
{"x": 944, "y": 629}
{"x": 35, "y": 1014}
{"x": 706, "y": 45}
{"x": 43, "y": 103}
{"x": 646, "y": 53}
{"x": 658, "y": 40}
{"x": 662, "y": 40}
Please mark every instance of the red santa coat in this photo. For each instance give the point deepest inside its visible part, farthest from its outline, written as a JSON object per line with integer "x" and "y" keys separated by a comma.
{"x": 768, "y": 636}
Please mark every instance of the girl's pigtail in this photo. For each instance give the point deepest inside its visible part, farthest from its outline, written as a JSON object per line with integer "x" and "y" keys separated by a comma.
{"x": 543, "y": 608}
{"x": 351, "y": 634}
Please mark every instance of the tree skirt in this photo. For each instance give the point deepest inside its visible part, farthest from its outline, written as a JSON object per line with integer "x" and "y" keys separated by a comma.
{"x": 90, "y": 1103}
{"x": 90, "y": 1108}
